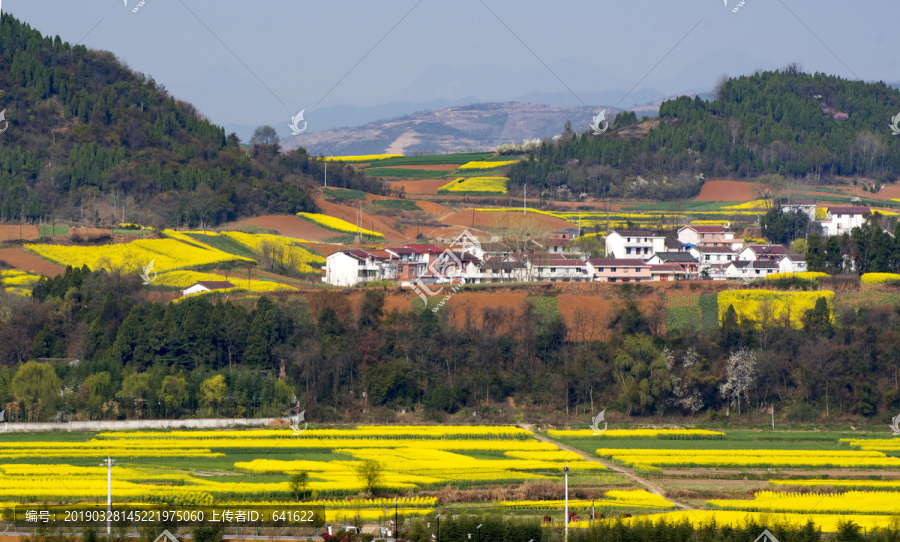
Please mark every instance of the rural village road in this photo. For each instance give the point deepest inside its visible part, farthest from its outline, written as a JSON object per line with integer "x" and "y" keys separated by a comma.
{"x": 621, "y": 470}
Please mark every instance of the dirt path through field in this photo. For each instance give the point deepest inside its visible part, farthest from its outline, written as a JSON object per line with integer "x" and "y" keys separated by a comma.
{"x": 621, "y": 470}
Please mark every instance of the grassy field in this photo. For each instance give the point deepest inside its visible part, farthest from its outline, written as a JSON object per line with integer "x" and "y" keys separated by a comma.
{"x": 405, "y": 173}
{"x": 458, "y": 158}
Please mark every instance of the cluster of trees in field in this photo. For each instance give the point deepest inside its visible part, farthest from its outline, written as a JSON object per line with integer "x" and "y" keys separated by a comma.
{"x": 774, "y": 122}
{"x": 869, "y": 249}
{"x": 91, "y": 140}
{"x": 203, "y": 356}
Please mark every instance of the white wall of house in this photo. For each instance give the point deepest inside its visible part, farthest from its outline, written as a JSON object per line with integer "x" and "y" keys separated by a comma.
{"x": 341, "y": 269}
{"x": 625, "y": 245}
{"x": 551, "y": 272}
{"x": 708, "y": 258}
{"x": 786, "y": 265}
{"x": 838, "y": 223}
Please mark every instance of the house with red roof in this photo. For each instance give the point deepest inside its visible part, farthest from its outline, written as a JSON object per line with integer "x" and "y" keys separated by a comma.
{"x": 709, "y": 236}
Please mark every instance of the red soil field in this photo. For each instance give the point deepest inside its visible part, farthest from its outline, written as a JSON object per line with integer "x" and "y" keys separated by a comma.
{"x": 423, "y": 186}
{"x": 433, "y": 208}
{"x": 499, "y": 219}
{"x": 888, "y": 192}
{"x": 11, "y": 232}
{"x": 287, "y": 225}
{"x": 727, "y": 191}
{"x": 26, "y": 261}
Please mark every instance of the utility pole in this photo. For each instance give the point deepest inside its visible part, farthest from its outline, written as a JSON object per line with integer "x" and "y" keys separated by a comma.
{"x": 607, "y": 216}
{"x": 566, "y": 471}
{"x": 326, "y": 174}
{"x": 109, "y": 463}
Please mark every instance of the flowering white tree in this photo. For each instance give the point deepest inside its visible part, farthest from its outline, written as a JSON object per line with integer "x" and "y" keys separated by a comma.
{"x": 740, "y": 371}
{"x": 684, "y": 383}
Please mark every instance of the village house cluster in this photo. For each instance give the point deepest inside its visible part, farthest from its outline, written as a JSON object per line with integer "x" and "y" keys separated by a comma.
{"x": 698, "y": 252}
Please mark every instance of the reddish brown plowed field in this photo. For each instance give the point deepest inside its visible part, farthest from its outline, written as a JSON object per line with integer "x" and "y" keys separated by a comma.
{"x": 380, "y": 224}
{"x": 287, "y": 225}
{"x": 10, "y": 232}
{"x": 26, "y": 261}
{"x": 424, "y": 186}
{"x": 501, "y": 219}
{"x": 886, "y": 193}
{"x": 433, "y": 208}
{"x": 727, "y": 191}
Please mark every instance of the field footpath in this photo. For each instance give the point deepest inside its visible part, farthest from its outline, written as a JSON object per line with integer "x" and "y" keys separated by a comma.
{"x": 621, "y": 470}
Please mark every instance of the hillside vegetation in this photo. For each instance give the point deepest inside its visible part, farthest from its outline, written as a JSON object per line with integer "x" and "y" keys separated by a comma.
{"x": 770, "y": 122}
{"x": 91, "y": 140}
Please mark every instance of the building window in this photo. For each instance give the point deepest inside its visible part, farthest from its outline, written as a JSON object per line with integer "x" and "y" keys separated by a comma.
{"x": 599, "y": 269}
{"x": 702, "y": 236}
{"x": 553, "y": 270}
{"x": 707, "y": 257}
{"x": 627, "y": 250}
{"x": 629, "y": 239}
{"x": 729, "y": 257}
{"x": 612, "y": 269}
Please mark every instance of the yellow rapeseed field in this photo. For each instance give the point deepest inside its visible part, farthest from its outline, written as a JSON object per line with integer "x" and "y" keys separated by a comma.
{"x": 413, "y": 457}
{"x": 827, "y": 522}
{"x": 487, "y": 165}
{"x": 166, "y": 255}
{"x": 476, "y": 185}
{"x": 301, "y": 257}
{"x": 806, "y": 275}
{"x": 850, "y": 502}
{"x": 879, "y": 278}
{"x": 336, "y": 224}
{"x": 758, "y": 305}
{"x": 361, "y": 157}
{"x": 18, "y": 282}
{"x": 750, "y": 458}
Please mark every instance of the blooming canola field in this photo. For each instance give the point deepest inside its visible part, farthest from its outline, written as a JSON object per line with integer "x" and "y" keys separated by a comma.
{"x": 254, "y": 466}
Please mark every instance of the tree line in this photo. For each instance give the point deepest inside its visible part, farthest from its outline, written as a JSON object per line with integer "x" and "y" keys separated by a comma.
{"x": 203, "y": 356}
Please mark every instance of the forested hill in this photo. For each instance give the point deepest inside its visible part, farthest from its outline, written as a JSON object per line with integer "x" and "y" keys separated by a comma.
{"x": 785, "y": 122}
{"x": 88, "y": 135}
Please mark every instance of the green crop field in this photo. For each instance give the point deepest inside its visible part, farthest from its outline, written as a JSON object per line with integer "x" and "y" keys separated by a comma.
{"x": 405, "y": 173}
{"x": 458, "y": 158}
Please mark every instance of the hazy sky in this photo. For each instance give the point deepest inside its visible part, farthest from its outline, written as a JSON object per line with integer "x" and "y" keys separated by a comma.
{"x": 254, "y": 62}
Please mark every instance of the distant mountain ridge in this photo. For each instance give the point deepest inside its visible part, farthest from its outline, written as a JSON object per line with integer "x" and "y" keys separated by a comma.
{"x": 477, "y": 126}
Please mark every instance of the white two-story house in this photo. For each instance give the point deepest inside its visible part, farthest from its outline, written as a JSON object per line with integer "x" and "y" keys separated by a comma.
{"x": 708, "y": 256}
{"x": 634, "y": 244}
{"x": 351, "y": 267}
{"x": 709, "y": 236}
{"x": 841, "y": 219}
